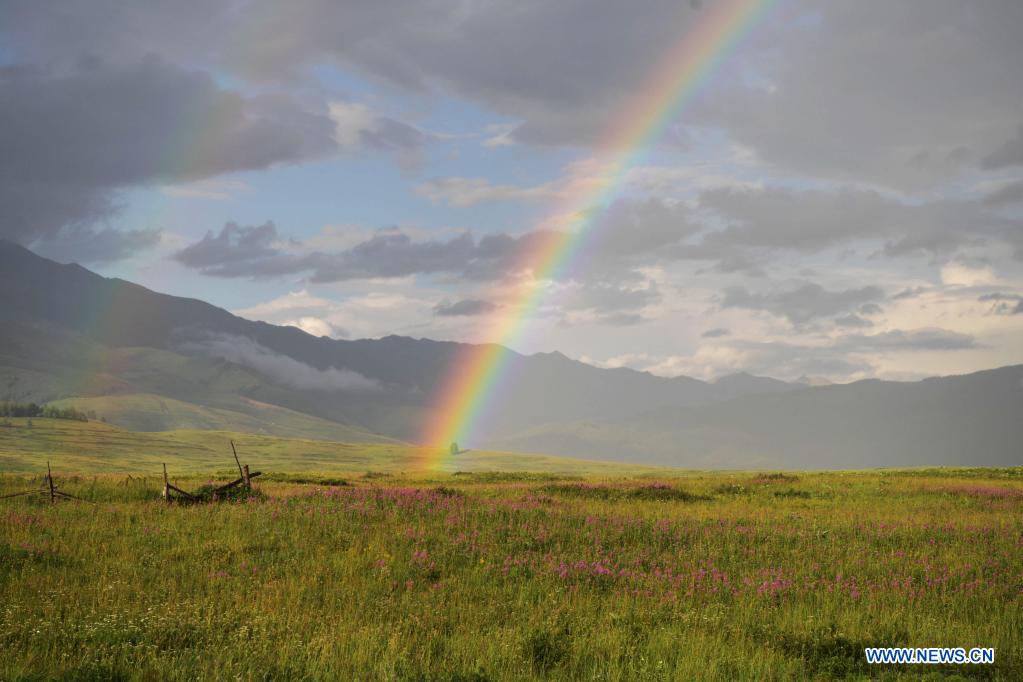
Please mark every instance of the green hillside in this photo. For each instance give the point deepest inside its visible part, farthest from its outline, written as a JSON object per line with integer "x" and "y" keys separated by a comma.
{"x": 148, "y": 389}
{"x": 149, "y": 412}
{"x": 96, "y": 448}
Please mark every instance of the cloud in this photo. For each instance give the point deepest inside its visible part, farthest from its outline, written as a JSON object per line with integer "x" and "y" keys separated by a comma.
{"x": 69, "y": 140}
{"x": 846, "y": 357}
{"x": 317, "y": 327}
{"x": 233, "y": 244}
{"x": 960, "y": 274}
{"x": 870, "y": 309}
{"x": 465, "y": 192}
{"x": 802, "y": 301}
{"x": 294, "y": 303}
{"x": 621, "y": 319}
{"x": 911, "y": 340}
{"x": 499, "y": 135}
{"x": 280, "y": 368}
{"x": 80, "y": 244}
{"x": 1004, "y": 304}
{"x": 813, "y": 220}
{"x": 886, "y": 93}
{"x": 852, "y": 321}
{"x": 610, "y": 298}
{"x": 884, "y": 96}
{"x": 715, "y": 333}
{"x": 356, "y": 126}
{"x": 464, "y": 308}
{"x": 911, "y": 292}
{"x": 1011, "y": 193}
{"x": 630, "y": 235}
{"x": 530, "y": 61}
{"x": 1009, "y": 154}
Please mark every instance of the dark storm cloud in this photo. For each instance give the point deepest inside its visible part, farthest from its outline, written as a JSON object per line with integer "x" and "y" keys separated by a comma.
{"x": 89, "y": 245}
{"x": 70, "y": 140}
{"x": 466, "y": 307}
{"x": 884, "y": 97}
{"x": 527, "y": 59}
{"x": 883, "y": 101}
{"x": 801, "y": 303}
{"x": 715, "y": 333}
{"x": 106, "y": 126}
{"x": 39, "y": 210}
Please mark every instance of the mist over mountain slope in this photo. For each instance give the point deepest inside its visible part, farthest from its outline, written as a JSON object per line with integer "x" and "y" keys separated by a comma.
{"x": 69, "y": 332}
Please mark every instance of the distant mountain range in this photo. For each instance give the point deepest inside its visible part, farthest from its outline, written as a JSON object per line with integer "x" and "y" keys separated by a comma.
{"x": 149, "y": 361}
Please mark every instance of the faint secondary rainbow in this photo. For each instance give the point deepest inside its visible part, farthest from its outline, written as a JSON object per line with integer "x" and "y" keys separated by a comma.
{"x": 476, "y": 373}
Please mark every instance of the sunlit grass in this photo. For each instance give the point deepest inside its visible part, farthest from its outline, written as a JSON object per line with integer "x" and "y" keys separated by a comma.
{"x": 512, "y": 575}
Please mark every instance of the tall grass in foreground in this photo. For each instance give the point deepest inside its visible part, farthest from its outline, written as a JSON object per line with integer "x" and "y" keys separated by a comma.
{"x": 471, "y": 577}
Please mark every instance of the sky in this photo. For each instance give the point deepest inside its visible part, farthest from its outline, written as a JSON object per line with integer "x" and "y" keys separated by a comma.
{"x": 842, "y": 198}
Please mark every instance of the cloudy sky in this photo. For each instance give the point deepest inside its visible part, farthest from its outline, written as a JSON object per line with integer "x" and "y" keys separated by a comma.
{"x": 842, "y": 199}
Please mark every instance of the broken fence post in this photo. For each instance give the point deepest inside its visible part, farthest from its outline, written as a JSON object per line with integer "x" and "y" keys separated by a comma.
{"x": 240, "y": 474}
{"x": 166, "y": 485}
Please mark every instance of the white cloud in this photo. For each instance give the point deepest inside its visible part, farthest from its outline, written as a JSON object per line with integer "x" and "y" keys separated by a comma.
{"x": 314, "y": 326}
{"x": 281, "y": 368}
{"x": 959, "y": 274}
{"x": 291, "y": 303}
{"x": 350, "y": 121}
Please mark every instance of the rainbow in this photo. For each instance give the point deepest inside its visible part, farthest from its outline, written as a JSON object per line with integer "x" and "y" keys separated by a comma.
{"x": 477, "y": 372}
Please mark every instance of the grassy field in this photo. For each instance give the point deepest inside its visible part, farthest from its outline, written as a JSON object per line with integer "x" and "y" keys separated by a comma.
{"x": 88, "y": 448}
{"x": 500, "y": 575}
{"x": 147, "y": 412}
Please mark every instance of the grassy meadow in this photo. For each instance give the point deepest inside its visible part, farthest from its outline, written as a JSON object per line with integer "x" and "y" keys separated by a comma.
{"x": 508, "y": 572}
{"x": 89, "y": 448}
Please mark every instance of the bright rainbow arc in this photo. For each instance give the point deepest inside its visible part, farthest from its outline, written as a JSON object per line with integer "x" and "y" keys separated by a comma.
{"x": 476, "y": 372}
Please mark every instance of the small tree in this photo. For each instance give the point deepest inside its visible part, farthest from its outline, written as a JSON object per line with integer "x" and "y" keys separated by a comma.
{"x": 454, "y": 448}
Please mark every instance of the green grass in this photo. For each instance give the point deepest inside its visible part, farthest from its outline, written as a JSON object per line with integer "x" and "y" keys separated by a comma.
{"x": 149, "y": 412}
{"x": 97, "y": 448}
{"x": 560, "y": 574}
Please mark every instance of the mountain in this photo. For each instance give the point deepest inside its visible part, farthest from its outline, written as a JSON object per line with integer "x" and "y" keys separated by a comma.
{"x": 150, "y": 361}
{"x": 970, "y": 420}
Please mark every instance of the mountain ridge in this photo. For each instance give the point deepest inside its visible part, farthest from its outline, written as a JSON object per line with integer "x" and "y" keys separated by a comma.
{"x": 114, "y": 313}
